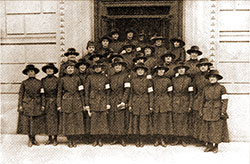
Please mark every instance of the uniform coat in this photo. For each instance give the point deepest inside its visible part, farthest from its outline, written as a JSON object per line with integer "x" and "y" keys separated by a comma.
{"x": 119, "y": 83}
{"x": 193, "y": 69}
{"x": 182, "y": 99}
{"x": 214, "y": 129}
{"x": 180, "y": 54}
{"x": 140, "y": 101}
{"x": 31, "y": 119}
{"x": 63, "y": 67}
{"x": 50, "y": 85}
{"x": 86, "y": 118}
{"x": 128, "y": 59}
{"x": 70, "y": 99}
{"x": 162, "y": 110}
{"x": 116, "y": 46}
{"x": 150, "y": 63}
{"x": 199, "y": 83}
{"x": 170, "y": 73}
{"x": 97, "y": 98}
{"x": 159, "y": 51}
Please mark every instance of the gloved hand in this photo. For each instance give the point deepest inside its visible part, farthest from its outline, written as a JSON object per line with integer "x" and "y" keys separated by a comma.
{"x": 20, "y": 109}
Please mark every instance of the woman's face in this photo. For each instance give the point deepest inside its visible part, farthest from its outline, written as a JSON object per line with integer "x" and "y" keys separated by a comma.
{"x": 98, "y": 69}
{"x": 49, "y": 71}
{"x": 160, "y": 72}
{"x": 168, "y": 59}
{"x": 140, "y": 71}
{"x": 141, "y": 37}
{"x": 147, "y": 52}
{"x": 72, "y": 57}
{"x": 82, "y": 68}
{"x": 105, "y": 43}
{"x": 158, "y": 42}
{"x": 129, "y": 49}
{"x": 115, "y": 36}
{"x": 204, "y": 68}
{"x": 176, "y": 44}
{"x": 213, "y": 79}
{"x": 70, "y": 70}
{"x": 193, "y": 56}
{"x": 31, "y": 73}
{"x": 91, "y": 49}
{"x": 130, "y": 35}
{"x": 118, "y": 68}
{"x": 181, "y": 71}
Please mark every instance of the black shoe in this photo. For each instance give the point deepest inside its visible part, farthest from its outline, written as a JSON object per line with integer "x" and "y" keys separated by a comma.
{"x": 113, "y": 142}
{"x": 55, "y": 142}
{"x": 175, "y": 143}
{"x": 70, "y": 144}
{"x": 137, "y": 144}
{"x": 215, "y": 149}
{"x": 163, "y": 143}
{"x": 50, "y": 141}
{"x": 95, "y": 143}
{"x": 34, "y": 142}
{"x": 30, "y": 143}
{"x": 183, "y": 143}
{"x": 156, "y": 143}
{"x": 123, "y": 143}
{"x": 100, "y": 143}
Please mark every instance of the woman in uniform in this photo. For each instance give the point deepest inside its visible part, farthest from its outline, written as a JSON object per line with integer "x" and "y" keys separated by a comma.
{"x": 50, "y": 85}
{"x": 31, "y": 120}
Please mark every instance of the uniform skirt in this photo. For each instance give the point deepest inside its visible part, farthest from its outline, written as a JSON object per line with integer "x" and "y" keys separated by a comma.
{"x": 117, "y": 120}
{"x": 214, "y": 131}
{"x": 99, "y": 123}
{"x": 31, "y": 125}
{"x": 163, "y": 123}
{"x": 140, "y": 124}
{"x": 195, "y": 124}
{"x": 86, "y": 120}
{"x": 71, "y": 123}
{"x": 180, "y": 124}
{"x": 52, "y": 117}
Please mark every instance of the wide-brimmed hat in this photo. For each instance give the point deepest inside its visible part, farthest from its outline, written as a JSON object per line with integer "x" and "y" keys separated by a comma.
{"x": 214, "y": 73}
{"x": 128, "y": 45}
{"x": 98, "y": 64}
{"x": 71, "y": 51}
{"x": 158, "y": 67}
{"x": 94, "y": 56}
{"x": 150, "y": 47}
{"x": 114, "y": 31}
{"x": 30, "y": 67}
{"x": 157, "y": 37}
{"x": 177, "y": 39}
{"x": 204, "y": 61}
{"x": 181, "y": 65}
{"x": 140, "y": 65}
{"x": 119, "y": 63}
{"x": 168, "y": 54}
{"x": 115, "y": 56}
{"x": 90, "y": 43}
{"x": 50, "y": 66}
{"x": 82, "y": 62}
{"x": 105, "y": 37}
{"x": 138, "y": 56}
{"x": 194, "y": 49}
{"x": 130, "y": 30}
{"x": 142, "y": 33}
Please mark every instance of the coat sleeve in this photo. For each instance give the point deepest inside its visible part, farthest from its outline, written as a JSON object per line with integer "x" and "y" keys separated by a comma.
{"x": 81, "y": 90}
{"x": 130, "y": 97}
{"x": 224, "y": 99}
{"x": 191, "y": 94}
{"x": 151, "y": 95}
{"x": 183, "y": 55}
{"x": 108, "y": 90}
{"x": 127, "y": 86}
{"x": 202, "y": 102}
{"x": 59, "y": 93}
{"x": 87, "y": 91}
{"x": 20, "y": 96}
{"x": 42, "y": 93}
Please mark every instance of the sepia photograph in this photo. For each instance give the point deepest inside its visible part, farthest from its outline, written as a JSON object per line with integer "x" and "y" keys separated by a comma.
{"x": 125, "y": 81}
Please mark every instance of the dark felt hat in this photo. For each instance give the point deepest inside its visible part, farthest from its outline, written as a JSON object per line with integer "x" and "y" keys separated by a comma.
{"x": 71, "y": 51}
{"x": 94, "y": 56}
{"x": 115, "y": 56}
{"x": 177, "y": 39}
{"x": 114, "y": 31}
{"x": 168, "y": 54}
{"x": 214, "y": 73}
{"x": 30, "y": 67}
{"x": 82, "y": 62}
{"x": 98, "y": 64}
{"x": 90, "y": 43}
{"x": 105, "y": 37}
{"x": 50, "y": 66}
{"x": 180, "y": 65}
{"x": 142, "y": 33}
{"x": 194, "y": 49}
{"x": 119, "y": 63}
{"x": 130, "y": 30}
{"x": 157, "y": 37}
{"x": 128, "y": 45}
{"x": 158, "y": 67}
{"x": 148, "y": 46}
{"x": 140, "y": 65}
{"x": 138, "y": 56}
{"x": 204, "y": 61}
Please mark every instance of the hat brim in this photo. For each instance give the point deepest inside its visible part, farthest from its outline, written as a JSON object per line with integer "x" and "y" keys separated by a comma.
{"x": 183, "y": 66}
{"x": 127, "y": 46}
{"x": 25, "y": 71}
{"x": 97, "y": 65}
{"x": 158, "y": 38}
{"x": 119, "y": 63}
{"x": 71, "y": 53}
{"x": 194, "y": 51}
{"x": 205, "y": 63}
{"x": 152, "y": 49}
{"x": 138, "y": 67}
{"x": 106, "y": 39}
{"x": 82, "y": 63}
{"x": 49, "y": 67}
{"x": 167, "y": 55}
{"x": 178, "y": 40}
{"x": 219, "y": 77}
{"x": 138, "y": 58}
{"x": 94, "y": 56}
{"x": 159, "y": 68}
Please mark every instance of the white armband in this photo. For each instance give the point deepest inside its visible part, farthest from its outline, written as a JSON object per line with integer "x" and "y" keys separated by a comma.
{"x": 127, "y": 85}
{"x": 149, "y": 76}
{"x": 80, "y": 87}
{"x": 190, "y": 89}
{"x": 107, "y": 86}
{"x": 42, "y": 90}
{"x": 177, "y": 74}
{"x": 150, "y": 89}
{"x": 123, "y": 52}
{"x": 138, "y": 49}
{"x": 170, "y": 88}
{"x": 224, "y": 96}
